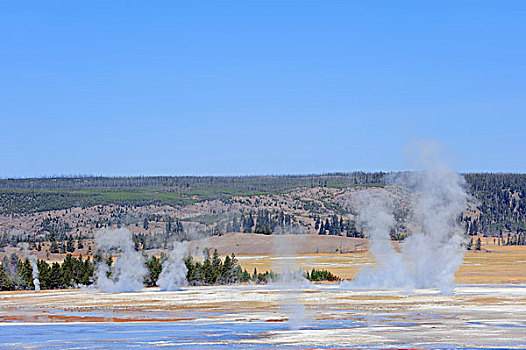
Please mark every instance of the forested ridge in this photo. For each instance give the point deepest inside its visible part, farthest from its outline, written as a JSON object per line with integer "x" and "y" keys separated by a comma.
{"x": 42, "y": 194}
{"x": 499, "y": 198}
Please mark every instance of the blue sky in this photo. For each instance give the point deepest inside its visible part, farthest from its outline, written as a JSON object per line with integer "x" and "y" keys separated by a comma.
{"x": 259, "y": 87}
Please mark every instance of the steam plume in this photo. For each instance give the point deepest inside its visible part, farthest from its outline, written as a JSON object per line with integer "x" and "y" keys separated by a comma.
{"x": 34, "y": 266}
{"x": 433, "y": 251}
{"x": 376, "y": 214}
{"x": 129, "y": 267}
{"x": 173, "y": 275}
{"x": 290, "y": 283}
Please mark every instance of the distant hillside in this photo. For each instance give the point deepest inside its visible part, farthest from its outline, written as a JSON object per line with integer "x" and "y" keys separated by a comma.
{"x": 156, "y": 208}
{"x": 42, "y": 194}
{"x": 501, "y": 201}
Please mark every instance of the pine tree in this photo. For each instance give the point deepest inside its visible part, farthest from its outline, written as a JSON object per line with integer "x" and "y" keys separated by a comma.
{"x": 217, "y": 266}
{"x": 87, "y": 272}
{"x": 154, "y": 270}
{"x": 209, "y": 275}
{"x": 5, "y": 280}
{"x": 54, "y": 280}
{"x": 66, "y": 272}
{"x": 70, "y": 245}
{"x": 145, "y": 224}
{"x": 54, "y": 247}
{"x": 477, "y": 245}
{"x": 44, "y": 272}
{"x": 227, "y": 271}
{"x": 25, "y": 274}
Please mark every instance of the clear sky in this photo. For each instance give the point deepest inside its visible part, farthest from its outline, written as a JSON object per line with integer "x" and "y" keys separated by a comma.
{"x": 259, "y": 87}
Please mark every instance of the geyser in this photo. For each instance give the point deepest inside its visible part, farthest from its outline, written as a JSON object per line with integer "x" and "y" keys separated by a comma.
{"x": 173, "y": 275}
{"x": 128, "y": 269}
{"x": 433, "y": 250}
{"x": 34, "y": 266}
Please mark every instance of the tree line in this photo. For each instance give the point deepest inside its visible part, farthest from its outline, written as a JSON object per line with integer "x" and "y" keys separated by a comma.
{"x": 335, "y": 226}
{"x": 17, "y": 274}
{"x": 254, "y": 183}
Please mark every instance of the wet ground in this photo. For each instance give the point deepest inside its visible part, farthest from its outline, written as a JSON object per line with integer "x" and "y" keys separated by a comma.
{"x": 267, "y": 317}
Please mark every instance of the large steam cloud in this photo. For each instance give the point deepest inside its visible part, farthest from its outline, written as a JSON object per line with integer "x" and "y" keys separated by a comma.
{"x": 173, "y": 275}
{"x": 433, "y": 251}
{"x": 128, "y": 269}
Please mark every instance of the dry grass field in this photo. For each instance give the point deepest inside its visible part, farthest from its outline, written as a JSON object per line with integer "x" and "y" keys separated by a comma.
{"x": 259, "y": 244}
{"x": 493, "y": 264}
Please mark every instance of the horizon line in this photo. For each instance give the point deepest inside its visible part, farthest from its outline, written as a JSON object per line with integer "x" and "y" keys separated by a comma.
{"x": 81, "y": 176}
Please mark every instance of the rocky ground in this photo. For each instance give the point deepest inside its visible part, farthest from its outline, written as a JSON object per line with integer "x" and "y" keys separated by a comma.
{"x": 270, "y": 317}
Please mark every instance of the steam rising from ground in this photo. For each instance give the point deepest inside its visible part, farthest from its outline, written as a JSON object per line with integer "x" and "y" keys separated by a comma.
{"x": 376, "y": 214}
{"x": 34, "y": 266}
{"x": 290, "y": 283}
{"x": 433, "y": 251}
{"x": 128, "y": 269}
{"x": 173, "y": 275}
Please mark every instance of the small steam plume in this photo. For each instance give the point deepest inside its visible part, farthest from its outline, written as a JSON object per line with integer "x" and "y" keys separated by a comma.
{"x": 34, "y": 266}
{"x": 173, "y": 275}
{"x": 128, "y": 270}
{"x": 290, "y": 283}
{"x": 433, "y": 251}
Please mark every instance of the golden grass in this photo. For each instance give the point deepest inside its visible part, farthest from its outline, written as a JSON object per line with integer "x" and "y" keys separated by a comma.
{"x": 502, "y": 265}
{"x": 492, "y": 265}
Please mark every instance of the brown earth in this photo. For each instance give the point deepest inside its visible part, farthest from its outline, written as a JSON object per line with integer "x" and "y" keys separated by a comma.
{"x": 260, "y": 244}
